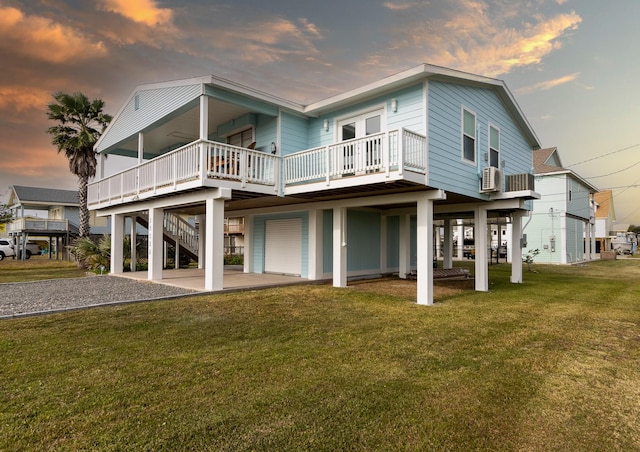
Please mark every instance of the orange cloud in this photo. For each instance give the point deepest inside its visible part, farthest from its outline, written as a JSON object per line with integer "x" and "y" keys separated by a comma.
{"x": 399, "y": 6}
{"x": 542, "y": 86}
{"x": 44, "y": 39}
{"x": 140, "y": 11}
{"x": 472, "y": 38}
{"x": 22, "y": 98}
{"x": 278, "y": 39}
{"x": 486, "y": 49}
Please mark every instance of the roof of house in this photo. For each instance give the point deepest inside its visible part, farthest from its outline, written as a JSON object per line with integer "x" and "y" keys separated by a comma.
{"x": 402, "y": 79}
{"x": 43, "y": 196}
{"x": 604, "y": 199}
{"x": 547, "y": 161}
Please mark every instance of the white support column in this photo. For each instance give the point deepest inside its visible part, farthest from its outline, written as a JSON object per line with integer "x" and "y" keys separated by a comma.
{"x": 448, "y": 245}
{"x": 134, "y": 240}
{"x": 117, "y": 241}
{"x": 481, "y": 245}
{"x": 384, "y": 268}
{"x": 140, "y": 147}
{"x": 165, "y": 254}
{"x": 424, "y": 247}
{"x": 516, "y": 250}
{"x": 593, "y": 241}
{"x": 404, "y": 251}
{"x": 339, "y": 247}
{"x": 156, "y": 244}
{"x": 248, "y": 244}
{"x": 460, "y": 233}
{"x": 201, "y": 219}
{"x": 204, "y": 117}
{"x": 176, "y": 256}
{"x": 101, "y": 162}
{"x": 214, "y": 253}
{"x": 315, "y": 244}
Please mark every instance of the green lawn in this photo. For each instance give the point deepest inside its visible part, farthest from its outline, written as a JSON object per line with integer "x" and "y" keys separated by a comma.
{"x": 37, "y": 268}
{"x": 552, "y": 364}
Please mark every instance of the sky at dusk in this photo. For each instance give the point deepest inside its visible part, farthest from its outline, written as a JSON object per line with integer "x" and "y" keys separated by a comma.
{"x": 572, "y": 65}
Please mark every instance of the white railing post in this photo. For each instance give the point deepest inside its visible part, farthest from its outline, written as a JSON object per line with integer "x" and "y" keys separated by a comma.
{"x": 386, "y": 149}
{"x": 204, "y": 164}
{"x": 401, "y": 152}
{"x": 328, "y": 168}
{"x": 243, "y": 168}
{"x": 174, "y": 168}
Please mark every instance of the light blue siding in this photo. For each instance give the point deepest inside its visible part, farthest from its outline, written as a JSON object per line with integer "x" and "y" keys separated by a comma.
{"x": 393, "y": 242}
{"x": 363, "y": 240}
{"x": 266, "y": 132}
{"x": 327, "y": 241}
{"x": 575, "y": 240}
{"x": 259, "y": 230}
{"x": 413, "y": 241}
{"x": 254, "y": 105}
{"x": 446, "y": 167}
{"x": 294, "y": 134}
{"x": 410, "y": 115}
{"x": 578, "y": 202}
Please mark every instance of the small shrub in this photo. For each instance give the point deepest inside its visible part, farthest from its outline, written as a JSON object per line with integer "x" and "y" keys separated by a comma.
{"x": 529, "y": 258}
{"x": 234, "y": 259}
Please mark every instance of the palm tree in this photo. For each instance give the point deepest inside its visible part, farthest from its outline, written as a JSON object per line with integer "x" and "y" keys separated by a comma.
{"x": 80, "y": 124}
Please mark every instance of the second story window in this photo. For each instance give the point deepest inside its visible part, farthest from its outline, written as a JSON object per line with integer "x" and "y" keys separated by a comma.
{"x": 494, "y": 147}
{"x": 468, "y": 136}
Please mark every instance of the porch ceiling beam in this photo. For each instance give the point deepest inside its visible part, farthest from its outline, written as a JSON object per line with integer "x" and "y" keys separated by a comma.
{"x": 505, "y": 204}
{"x": 184, "y": 199}
{"x": 400, "y": 198}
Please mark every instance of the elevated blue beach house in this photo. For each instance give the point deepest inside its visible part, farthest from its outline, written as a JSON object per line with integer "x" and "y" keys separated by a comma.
{"x": 348, "y": 186}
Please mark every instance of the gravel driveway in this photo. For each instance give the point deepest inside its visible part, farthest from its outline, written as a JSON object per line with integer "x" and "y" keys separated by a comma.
{"x": 17, "y": 299}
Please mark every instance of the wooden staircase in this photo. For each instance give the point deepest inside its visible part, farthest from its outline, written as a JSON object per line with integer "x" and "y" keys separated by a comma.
{"x": 176, "y": 231}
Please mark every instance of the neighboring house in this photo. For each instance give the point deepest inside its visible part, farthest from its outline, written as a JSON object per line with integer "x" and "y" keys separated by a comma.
{"x": 605, "y": 217}
{"x": 344, "y": 187}
{"x": 48, "y": 214}
{"x": 234, "y": 235}
{"x": 562, "y": 222}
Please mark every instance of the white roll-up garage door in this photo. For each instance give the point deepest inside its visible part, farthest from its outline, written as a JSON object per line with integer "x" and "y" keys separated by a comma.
{"x": 283, "y": 246}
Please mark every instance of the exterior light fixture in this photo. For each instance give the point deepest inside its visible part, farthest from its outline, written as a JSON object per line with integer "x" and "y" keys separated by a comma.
{"x": 326, "y": 125}
{"x": 273, "y": 148}
{"x": 394, "y": 105}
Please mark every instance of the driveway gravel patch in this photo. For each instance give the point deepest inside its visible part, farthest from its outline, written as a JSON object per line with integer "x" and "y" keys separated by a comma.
{"x": 28, "y": 298}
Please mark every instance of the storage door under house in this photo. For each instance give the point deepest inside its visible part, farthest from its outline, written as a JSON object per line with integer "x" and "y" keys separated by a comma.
{"x": 283, "y": 246}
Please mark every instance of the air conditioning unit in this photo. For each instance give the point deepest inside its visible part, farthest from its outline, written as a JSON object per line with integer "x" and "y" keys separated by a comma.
{"x": 491, "y": 180}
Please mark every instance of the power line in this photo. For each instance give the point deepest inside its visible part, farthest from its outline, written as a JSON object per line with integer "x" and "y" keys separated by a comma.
{"x": 604, "y": 155}
{"x": 615, "y": 172}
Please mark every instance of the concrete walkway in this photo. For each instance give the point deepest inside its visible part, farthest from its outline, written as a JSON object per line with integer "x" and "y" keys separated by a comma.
{"x": 234, "y": 279}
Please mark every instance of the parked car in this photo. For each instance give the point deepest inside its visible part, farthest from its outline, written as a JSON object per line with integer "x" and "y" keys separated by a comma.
{"x": 32, "y": 249}
{"x": 6, "y": 249}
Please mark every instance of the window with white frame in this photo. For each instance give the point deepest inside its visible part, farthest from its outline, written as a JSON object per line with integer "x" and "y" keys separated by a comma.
{"x": 494, "y": 147}
{"x": 468, "y": 135}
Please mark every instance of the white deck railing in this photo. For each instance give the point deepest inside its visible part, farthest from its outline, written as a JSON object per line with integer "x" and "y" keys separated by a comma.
{"x": 192, "y": 165}
{"x": 382, "y": 152}
{"x": 184, "y": 165}
{"x": 37, "y": 224}
{"x": 184, "y": 232}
